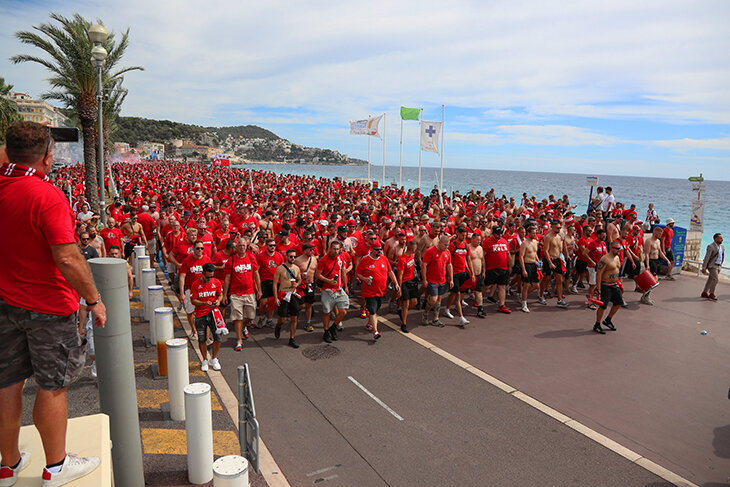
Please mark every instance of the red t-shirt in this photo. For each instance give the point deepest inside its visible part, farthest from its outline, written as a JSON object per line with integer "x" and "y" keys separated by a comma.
{"x": 171, "y": 241}
{"x": 193, "y": 269}
{"x": 329, "y": 268}
{"x": 242, "y": 271}
{"x": 407, "y": 264}
{"x": 496, "y": 253}
{"x": 596, "y": 250}
{"x": 221, "y": 259}
{"x": 182, "y": 250}
{"x": 459, "y": 253}
{"x": 205, "y": 291}
{"x": 377, "y": 269}
{"x": 268, "y": 264}
{"x": 34, "y": 215}
{"x": 112, "y": 237}
{"x": 437, "y": 262}
{"x": 667, "y": 237}
{"x": 582, "y": 242}
{"x": 148, "y": 224}
{"x": 208, "y": 243}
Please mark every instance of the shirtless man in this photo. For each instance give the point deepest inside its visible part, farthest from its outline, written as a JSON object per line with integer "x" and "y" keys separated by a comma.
{"x": 477, "y": 264}
{"x": 607, "y": 273}
{"x": 307, "y": 263}
{"x": 528, "y": 264}
{"x": 287, "y": 278}
{"x": 613, "y": 229}
{"x": 133, "y": 235}
{"x": 553, "y": 244}
{"x": 394, "y": 251}
{"x": 653, "y": 255}
{"x": 266, "y": 225}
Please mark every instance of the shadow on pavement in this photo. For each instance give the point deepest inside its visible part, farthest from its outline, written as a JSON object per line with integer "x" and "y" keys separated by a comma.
{"x": 721, "y": 441}
{"x": 575, "y": 332}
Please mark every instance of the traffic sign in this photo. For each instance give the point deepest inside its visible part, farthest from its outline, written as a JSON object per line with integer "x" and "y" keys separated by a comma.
{"x": 592, "y": 181}
{"x": 696, "y": 179}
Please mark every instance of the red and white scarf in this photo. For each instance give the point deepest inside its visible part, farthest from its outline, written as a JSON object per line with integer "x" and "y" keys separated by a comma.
{"x": 16, "y": 170}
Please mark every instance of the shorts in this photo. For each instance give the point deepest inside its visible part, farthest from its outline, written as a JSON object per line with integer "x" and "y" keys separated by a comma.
{"x": 334, "y": 299}
{"x": 516, "y": 270}
{"x": 459, "y": 280}
{"x": 289, "y": 308}
{"x": 409, "y": 290}
{"x": 189, "y": 307}
{"x": 267, "y": 289}
{"x": 479, "y": 284}
{"x": 497, "y": 276}
{"x": 373, "y": 304}
{"x": 611, "y": 293}
{"x": 152, "y": 247}
{"x": 47, "y": 347}
{"x": 171, "y": 268}
{"x": 204, "y": 322}
{"x": 654, "y": 265}
{"x": 89, "y": 334}
{"x": 581, "y": 266}
{"x": 547, "y": 270}
{"x": 436, "y": 289}
{"x": 632, "y": 268}
{"x": 591, "y": 276}
{"x": 128, "y": 249}
{"x": 669, "y": 254}
{"x": 532, "y": 276}
{"x": 308, "y": 294}
{"x": 243, "y": 306}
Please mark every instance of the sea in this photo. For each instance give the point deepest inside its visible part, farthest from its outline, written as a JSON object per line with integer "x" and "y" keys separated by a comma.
{"x": 671, "y": 197}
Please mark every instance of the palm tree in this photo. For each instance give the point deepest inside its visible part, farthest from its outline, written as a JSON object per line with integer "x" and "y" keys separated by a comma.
{"x": 8, "y": 108}
{"x": 73, "y": 77}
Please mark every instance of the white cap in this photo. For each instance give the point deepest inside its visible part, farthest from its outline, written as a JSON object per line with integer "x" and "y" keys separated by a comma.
{"x": 670, "y": 221}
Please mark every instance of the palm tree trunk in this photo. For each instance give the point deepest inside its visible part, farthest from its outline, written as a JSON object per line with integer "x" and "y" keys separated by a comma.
{"x": 86, "y": 108}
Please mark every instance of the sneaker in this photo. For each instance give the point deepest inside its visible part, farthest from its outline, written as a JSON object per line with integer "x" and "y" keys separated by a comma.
{"x": 438, "y": 323}
{"x": 581, "y": 285}
{"x": 326, "y": 336}
{"x": 710, "y": 296}
{"x": 504, "y": 309}
{"x": 704, "y": 295}
{"x": 597, "y": 328}
{"x": 259, "y": 322}
{"x": 293, "y": 343}
{"x": 549, "y": 294}
{"x": 309, "y": 327}
{"x": 204, "y": 366}
{"x": 238, "y": 347}
{"x": 269, "y": 322}
{"x": 542, "y": 300}
{"x": 376, "y": 335}
{"x": 333, "y": 333}
{"x": 74, "y": 467}
{"x": 368, "y": 327}
{"x": 492, "y": 299}
{"x": 609, "y": 324}
{"x": 481, "y": 313}
{"x": 463, "y": 321}
{"x": 404, "y": 329}
{"x": 464, "y": 304}
{"x": 9, "y": 475}
{"x": 562, "y": 304}
{"x": 646, "y": 300}
{"x": 277, "y": 332}
{"x": 340, "y": 327}
{"x": 670, "y": 278}
{"x": 591, "y": 306}
{"x": 93, "y": 374}
{"x": 245, "y": 333}
{"x": 424, "y": 319}
{"x": 525, "y": 308}
{"x": 215, "y": 364}
{"x": 447, "y": 313}
{"x": 573, "y": 289}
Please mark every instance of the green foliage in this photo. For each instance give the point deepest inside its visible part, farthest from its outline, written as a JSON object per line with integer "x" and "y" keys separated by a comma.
{"x": 8, "y": 109}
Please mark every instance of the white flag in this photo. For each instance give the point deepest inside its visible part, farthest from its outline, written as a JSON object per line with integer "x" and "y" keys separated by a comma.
{"x": 365, "y": 127}
{"x": 430, "y": 136}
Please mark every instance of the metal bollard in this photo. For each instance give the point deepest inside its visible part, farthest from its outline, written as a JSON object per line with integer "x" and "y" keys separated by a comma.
{"x": 156, "y": 296}
{"x": 115, "y": 364}
{"x": 138, "y": 252}
{"x": 177, "y": 376}
{"x": 230, "y": 471}
{"x": 199, "y": 428}
{"x": 163, "y": 332}
{"x": 148, "y": 279}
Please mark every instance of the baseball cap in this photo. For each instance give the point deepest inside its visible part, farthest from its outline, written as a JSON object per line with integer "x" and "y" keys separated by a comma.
{"x": 233, "y": 230}
{"x": 284, "y": 233}
{"x": 670, "y": 221}
{"x": 497, "y": 230}
{"x": 307, "y": 245}
{"x": 342, "y": 229}
{"x": 351, "y": 222}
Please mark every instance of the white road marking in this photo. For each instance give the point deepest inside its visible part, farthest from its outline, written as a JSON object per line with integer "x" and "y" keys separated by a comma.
{"x": 322, "y": 470}
{"x": 374, "y": 398}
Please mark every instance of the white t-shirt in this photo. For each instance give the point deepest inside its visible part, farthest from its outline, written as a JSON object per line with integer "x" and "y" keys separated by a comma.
{"x": 607, "y": 201}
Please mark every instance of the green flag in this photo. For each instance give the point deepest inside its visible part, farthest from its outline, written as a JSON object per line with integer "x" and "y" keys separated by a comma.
{"x": 409, "y": 113}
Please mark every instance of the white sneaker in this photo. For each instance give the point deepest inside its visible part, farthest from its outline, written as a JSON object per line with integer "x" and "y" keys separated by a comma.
{"x": 447, "y": 313}
{"x": 340, "y": 327}
{"x": 73, "y": 468}
{"x": 463, "y": 321}
{"x": 562, "y": 304}
{"x": 542, "y": 300}
{"x": 8, "y": 476}
{"x": 93, "y": 371}
{"x": 573, "y": 289}
{"x": 525, "y": 308}
{"x": 464, "y": 303}
{"x": 204, "y": 366}
{"x": 215, "y": 364}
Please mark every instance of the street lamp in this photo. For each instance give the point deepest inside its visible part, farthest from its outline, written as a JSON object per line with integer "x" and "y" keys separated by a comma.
{"x": 98, "y": 35}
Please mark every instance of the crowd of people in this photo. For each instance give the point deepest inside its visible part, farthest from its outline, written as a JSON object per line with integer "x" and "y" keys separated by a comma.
{"x": 276, "y": 242}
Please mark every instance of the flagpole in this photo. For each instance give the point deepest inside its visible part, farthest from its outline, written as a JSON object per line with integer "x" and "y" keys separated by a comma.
{"x": 419, "y": 150}
{"x": 369, "y": 158}
{"x": 400, "y": 162}
{"x": 442, "y": 148}
{"x": 382, "y": 185}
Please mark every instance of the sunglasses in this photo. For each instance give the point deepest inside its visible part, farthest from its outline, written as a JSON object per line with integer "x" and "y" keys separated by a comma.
{"x": 271, "y": 246}
{"x": 199, "y": 248}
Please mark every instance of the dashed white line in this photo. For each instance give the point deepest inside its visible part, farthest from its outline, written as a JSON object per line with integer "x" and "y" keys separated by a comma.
{"x": 374, "y": 398}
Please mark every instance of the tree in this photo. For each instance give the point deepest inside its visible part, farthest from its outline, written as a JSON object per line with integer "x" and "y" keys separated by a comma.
{"x": 73, "y": 77}
{"x": 8, "y": 109}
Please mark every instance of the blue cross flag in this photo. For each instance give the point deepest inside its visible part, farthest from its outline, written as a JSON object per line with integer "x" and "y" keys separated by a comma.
{"x": 430, "y": 132}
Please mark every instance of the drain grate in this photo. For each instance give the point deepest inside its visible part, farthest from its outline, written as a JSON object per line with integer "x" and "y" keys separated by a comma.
{"x": 320, "y": 352}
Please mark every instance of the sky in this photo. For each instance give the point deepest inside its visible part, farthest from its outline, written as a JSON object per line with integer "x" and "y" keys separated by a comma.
{"x": 620, "y": 87}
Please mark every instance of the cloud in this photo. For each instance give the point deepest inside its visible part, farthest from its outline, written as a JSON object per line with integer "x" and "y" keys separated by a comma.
{"x": 555, "y": 135}
{"x": 683, "y": 145}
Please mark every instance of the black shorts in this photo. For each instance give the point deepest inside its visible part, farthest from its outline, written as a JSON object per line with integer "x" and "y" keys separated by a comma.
{"x": 204, "y": 322}
{"x": 497, "y": 276}
{"x": 654, "y": 265}
{"x": 669, "y": 254}
{"x": 409, "y": 290}
{"x": 289, "y": 308}
{"x": 516, "y": 269}
{"x": 479, "y": 285}
{"x": 611, "y": 293}
{"x": 373, "y": 304}
{"x": 581, "y": 266}
{"x": 547, "y": 270}
{"x": 459, "y": 280}
{"x": 632, "y": 268}
{"x": 128, "y": 249}
{"x": 308, "y": 294}
{"x": 532, "y": 276}
{"x": 267, "y": 289}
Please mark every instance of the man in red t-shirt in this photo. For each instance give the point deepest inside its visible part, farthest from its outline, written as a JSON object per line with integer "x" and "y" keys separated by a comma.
{"x": 331, "y": 272}
{"x": 596, "y": 250}
{"x": 374, "y": 271}
{"x": 667, "y": 237}
{"x": 581, "y": 259}
{"x": 111, "y": 235}
{"x": 407, "y": 281}
{"x": 179, "y": 253}
{"x": 242, "y": 286}
{"x": 42, "y": 275}
{"x": 149, "y": 227}
{"x": 190, "y": 271}
{"x": 439, "y": 276}
{"x": 496, "y": 257}
{"x": 463, "y": 273}
{"x": 268, "y": 259}
{"x": 206, "y": 295}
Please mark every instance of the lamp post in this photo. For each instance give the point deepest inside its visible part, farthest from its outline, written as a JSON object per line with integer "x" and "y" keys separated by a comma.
{"x": 98, "y": 35}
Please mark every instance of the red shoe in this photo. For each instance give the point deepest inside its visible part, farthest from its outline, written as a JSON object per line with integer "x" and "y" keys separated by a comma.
{"x": 504, "y": 309}
{"x": 712, "y": 297}
{"x": 245, "y": 335}
{"x": 704, "y": 295}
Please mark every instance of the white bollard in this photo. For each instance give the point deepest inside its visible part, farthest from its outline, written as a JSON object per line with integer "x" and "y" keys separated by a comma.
{"x": 199, "y": 429}
{"x": 230, "y": 471}
{"x": 143, "y": 262}
{"x": 177, "y": 376}
{"x": 148, "y": 279}
{"x": 163, "y": 332}
{"x": 156, "y": 299}
{"x": 138, "y": 252}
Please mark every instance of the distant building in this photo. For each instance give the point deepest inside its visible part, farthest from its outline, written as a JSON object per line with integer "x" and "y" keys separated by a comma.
{"x": 32, "y": 110}
{"x": 188, "y": 149}
{"x": 213, "y": 151}
{"x": 150, "y": 147}
{"x": 121, "y": 147}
